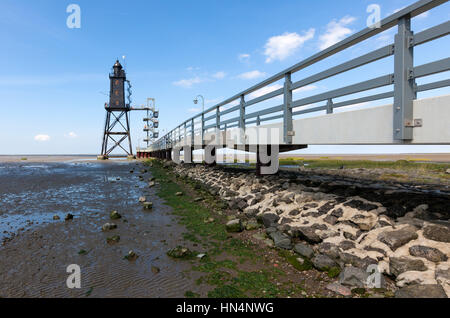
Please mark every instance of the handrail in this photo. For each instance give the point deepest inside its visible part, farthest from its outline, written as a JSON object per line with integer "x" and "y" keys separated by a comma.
{"x": 403, "y": 65}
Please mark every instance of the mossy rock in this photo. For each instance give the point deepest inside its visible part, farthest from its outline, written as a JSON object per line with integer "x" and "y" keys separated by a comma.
{"x": 114, "y": 215}
{"x": 234, "y": 226}
{"x": 179, "y": 252}
{"x": 333, "y": 272}
{"x": 114, "y": 239}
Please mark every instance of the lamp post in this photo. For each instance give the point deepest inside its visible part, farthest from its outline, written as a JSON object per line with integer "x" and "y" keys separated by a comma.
{"x": 203, "y": 102}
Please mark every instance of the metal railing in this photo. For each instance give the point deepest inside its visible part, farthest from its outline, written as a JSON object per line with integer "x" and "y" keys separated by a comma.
{"x": 403, "y": 79}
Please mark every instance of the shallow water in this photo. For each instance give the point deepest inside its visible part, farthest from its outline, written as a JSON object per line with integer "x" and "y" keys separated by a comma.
{"x": 33, "y": 263}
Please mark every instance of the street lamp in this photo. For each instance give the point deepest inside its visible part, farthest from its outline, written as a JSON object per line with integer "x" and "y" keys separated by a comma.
{"x": 203, "y": 102}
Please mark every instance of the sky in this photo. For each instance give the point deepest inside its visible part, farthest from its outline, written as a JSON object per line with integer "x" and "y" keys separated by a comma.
{"x": 54, "y": 79}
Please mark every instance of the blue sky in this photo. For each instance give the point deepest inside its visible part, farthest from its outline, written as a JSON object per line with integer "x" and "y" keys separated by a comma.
{"x": 53, "y": 79}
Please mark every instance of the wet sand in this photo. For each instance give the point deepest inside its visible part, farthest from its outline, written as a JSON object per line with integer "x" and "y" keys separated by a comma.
{"x": 37, "y": 249}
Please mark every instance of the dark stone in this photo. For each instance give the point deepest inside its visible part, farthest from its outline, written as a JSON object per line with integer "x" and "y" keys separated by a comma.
{"x": 312, "y": 214}
{"x": 269, "y": 219}
{"x": 421, "y": 291}
{"x": 375, "y": 249}
{"x": 403, "y": 264}
{"x": 294, "y": 212}
{"x": 347, "y": 245}
{"x": 354, "y": 277}
{"x": 323, "y": 262}
{"x": 360, "y": 205}
{"x": 430, "y": 253}
{"x": 395, "y": 239}
{"x": 304, "y": 250}
{"x": 337, "y": 213}
{"x": 329, "y": 249}
{"x": 308, "y": 234}
{"x": 330, "y": 219}
{"x": 439, "y": 233}
{"x": 324, "y": 209}
{"x": 356, "y": 261}
{"x": 281, "y": 240}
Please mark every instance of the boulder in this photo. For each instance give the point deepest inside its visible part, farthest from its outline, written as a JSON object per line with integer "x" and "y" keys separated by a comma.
{"x": 307, "y": 234}
{"x": 270, "y": 219}
{"x": 346, "y": 245}
{"x": 323, "y": 262}
{"x": 354, "y": 277}
{"x": 356, "y": 261}
{"x": 234, "y": 226}
{"x": 332, "y": 220}
{"x": 131, "y": 256}
{"x": 68, "y": 217}
{"x": 395, "y": 239}
{"x": 281, "y": 240}
{"x": 114, "y": 215}
{"x": 421, "y": 291}
{"x": 430, "y": 253}
{"x": 360, "y": 205}
{"x": 108, "y": 227}
{"x": 439, "y": 233}
{"x": 398, "y": 265}
{"x": 304, "y": 250}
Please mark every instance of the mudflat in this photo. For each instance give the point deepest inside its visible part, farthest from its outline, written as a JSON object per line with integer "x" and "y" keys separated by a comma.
{"x": 37, "y": 249}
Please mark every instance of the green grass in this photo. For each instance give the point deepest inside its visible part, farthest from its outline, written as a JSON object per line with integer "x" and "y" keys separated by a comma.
{"x": 354, "y": 164}
{"x": 225, "y": 253}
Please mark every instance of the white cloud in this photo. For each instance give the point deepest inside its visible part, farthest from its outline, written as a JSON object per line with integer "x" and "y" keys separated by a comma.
{"x": 252, "y": 75}
{"x": 219, "y": 75}
{"x": 305, "y": 89}
{"x": 244, "y": 57}
{"x": 282, "y": 46}
{"x": 336, "y": 31}
{"x": 265, "y": 90}
{"x": 194, "y": 110}
{"x": 187, "y": 83}
{"x": 71, "y": 135}
{"x": 42, "y": 138}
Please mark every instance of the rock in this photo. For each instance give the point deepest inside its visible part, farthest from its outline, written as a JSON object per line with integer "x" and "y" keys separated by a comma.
{"x": 179, "y": 252}
{"x": 356, "y": 261}
{"x": 395, "y": 239}
{"x": 398, "y": 265}
{"x": 339, "y": 289}
{"x": 114, "y": 239}
{"x": 234, "y": 226}
{"x": 329, "y": 249}
{"x": 68, "y": 217}
{"x": 147, "y": 205}
{"x": 323, "y": 262}
{"x": 304, "y": 250}
{"x": 308, "y": 234}
{"x": 447, "y": 171}
{"x": 360, "y": 205}
{"x": 109, "y": 227}
{"x": 252, "y": 225}
{"x": 201, "y": 256}
{"x": 56, "y": 217}
{"x": 281, "y": 240}
{"x": 179, "y": 194}
{"x": 332, "y": 220}
{"x": 250, "y": 213}
{"x": 430, "y": 253}
{"x": 354, "y": 277}
{"x": 294, "y": 212}
{"x": 346, "y": 245}
{"x": 421, "y": 291}
{"x": 338, "y": 213}
{"x": 114, "y": 215}
{"x": 132, "y": 256}
{"x": 142, "y": 199}
{"x": 324, "y": 209}
{"x": 155, "y": 270}
{"x": 439, "y": 233}
{"x": 199, "y": 199}
{"x": 269, "y": 219}
{"x": 151, "y": 184}
{"x": 365, "y": 223}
